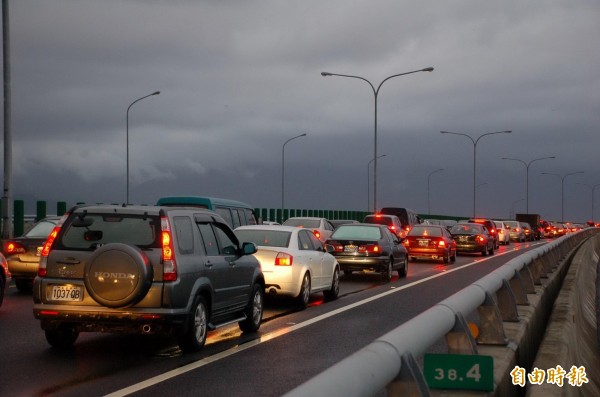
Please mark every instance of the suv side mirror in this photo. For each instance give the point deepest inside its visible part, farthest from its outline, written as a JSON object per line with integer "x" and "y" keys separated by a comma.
{"x": 249, "y": 248}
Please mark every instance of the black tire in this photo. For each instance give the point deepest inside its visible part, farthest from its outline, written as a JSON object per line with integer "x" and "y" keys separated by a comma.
{"x": 484, "y": 252}
{"x": 304, "y": 296}
{"x": 334, "y": 291}
{"x": 446, "y": 257}
{"x": 62, "y": 337}
{"x": 347, "y": 272}
{"x": 453, "y": 257}
{"x": 194, "y": 335}
{"x": 24, "y": 286}
{"x": 254, "y": 310}
{"x": 404, "y": 271}
{"x": 386, "y": 274}
{"x": 491, "y": 250}
{"x": 412, "y": 259}
{"x": 2, "y": 288}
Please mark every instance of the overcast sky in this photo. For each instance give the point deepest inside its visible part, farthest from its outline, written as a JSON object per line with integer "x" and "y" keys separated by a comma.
{"x": 239, "y": 78}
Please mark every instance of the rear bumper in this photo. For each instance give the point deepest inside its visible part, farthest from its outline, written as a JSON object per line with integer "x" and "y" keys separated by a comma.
{"x": 356, "y": 264}
{"x": 470, "y": 247}
{"x": 427, "y": 253}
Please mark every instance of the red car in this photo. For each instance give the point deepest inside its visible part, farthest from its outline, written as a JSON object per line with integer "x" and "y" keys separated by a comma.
{"x": 430, "y": 242}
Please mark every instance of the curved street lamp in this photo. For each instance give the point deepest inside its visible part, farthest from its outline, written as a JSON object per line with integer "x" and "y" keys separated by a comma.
{"x": 562, "y": 191}
{"x": 428, "y": 185}
{"x": 283, "y": 171}
{"x": 369, "y": 182}
{"x": 475, "y": 141}
{"x": 527, "y": 175}
{"x": 375, "y": 93}
{"x": 127, "y": 140}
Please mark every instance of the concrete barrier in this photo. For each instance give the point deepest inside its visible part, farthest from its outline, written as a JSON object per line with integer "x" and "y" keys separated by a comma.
{"x": 571, "y": 337}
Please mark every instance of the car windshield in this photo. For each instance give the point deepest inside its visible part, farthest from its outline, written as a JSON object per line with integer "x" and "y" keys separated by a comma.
{"x": 345, "y": 232}
{"x": 41, "y": 229}
{"x": 94, "y": 230}
{"x": 302, "y": 222}
{"x": 425, "y": 231}
{"x": 265, "y": 238}
{"x": 465, "y": 228}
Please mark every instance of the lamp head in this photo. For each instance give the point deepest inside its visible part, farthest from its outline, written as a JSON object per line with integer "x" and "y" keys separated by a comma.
{"x": 155, "y": 93}
{"x": 325, "y": 74}
{"x": 429, "y": 69}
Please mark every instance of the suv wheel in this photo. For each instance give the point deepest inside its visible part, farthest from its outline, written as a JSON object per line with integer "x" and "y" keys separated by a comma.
{"x": 254, "y": 311}
{"x": 333, "y": 293}
{"x": 404, "y": 271}
{"x": 62, "y": 337}
{"x": 194, "y": 337}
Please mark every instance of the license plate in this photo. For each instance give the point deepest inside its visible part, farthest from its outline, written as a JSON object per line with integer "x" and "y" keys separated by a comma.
{"x": 69, "y": 293}
{"x": 350, "y": 248}
{"x": 463, "y": 239}
{"x": 423, "y": 243}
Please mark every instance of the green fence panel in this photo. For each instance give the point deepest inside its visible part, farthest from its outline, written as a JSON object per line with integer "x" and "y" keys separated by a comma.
{"x": 19, "y": 218}
{"x": 61, "y": 208}
{"x": 40, "y": 211}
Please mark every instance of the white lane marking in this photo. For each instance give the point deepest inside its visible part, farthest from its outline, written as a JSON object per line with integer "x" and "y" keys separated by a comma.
{"x": 276, "y": 334}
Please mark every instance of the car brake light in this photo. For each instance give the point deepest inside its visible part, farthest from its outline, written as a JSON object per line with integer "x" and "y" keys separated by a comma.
{"x": 283, "y": 259}
{"x": 441, "y": 243}
{"x": 42, "y": 268}
{"x": 317, "y": 233}
{"x": 11, "y": 247}
{"x": 169, "y": 264}
{"x": 338, "y": 248}
{"x": 479, "y": 238}
{"x": 377, "y": 215}
{"x": 369, "y": 248}
{"x": 493, "y": 231}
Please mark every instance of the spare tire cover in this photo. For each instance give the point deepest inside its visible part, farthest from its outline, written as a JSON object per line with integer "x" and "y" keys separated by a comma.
{"x": 118, "y": 275}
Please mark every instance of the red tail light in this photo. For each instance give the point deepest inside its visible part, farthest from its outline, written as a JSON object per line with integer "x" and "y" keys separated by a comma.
{"x": 338, "y": 248}
{"x": 480, "y": 238}
{"x": 441, "y": 243}
{"x": 169, "y": 264}
{"x": 283, "y": 259}
{"x": 492, "y": 231}
{"x": 317, "y": 234}
{"x": 406, "y": 242}
{"x": 11, "y": 247}
{"x": 48, "y": 246}
{"x": 370, "y": 248}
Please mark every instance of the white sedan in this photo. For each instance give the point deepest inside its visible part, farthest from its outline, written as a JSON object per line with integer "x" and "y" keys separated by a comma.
{"x": 294, "y": 262}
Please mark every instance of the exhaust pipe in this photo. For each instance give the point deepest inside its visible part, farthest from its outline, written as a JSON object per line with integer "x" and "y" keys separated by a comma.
{"x": 146, "y": 328}
{"x": 273, "y": 291}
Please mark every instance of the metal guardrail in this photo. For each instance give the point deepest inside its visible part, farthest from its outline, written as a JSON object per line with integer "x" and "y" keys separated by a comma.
{"x": 392, "y": 357}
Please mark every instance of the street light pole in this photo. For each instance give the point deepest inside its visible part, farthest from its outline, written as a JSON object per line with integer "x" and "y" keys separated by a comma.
{"x": 562, "y": 191}
{"x": 369, "y": 182}
{"x": 527, "y": 175}
{"x": 428, "y": 185}
{"x": 283, "y": 171}
{"x": 593, "y": 189}
{"x": 375, "y": 93}
{"x": 127, "y": 139}
{"x": 475, "y": 141}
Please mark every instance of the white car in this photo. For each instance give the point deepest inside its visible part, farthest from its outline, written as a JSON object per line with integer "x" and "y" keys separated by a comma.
{"x": 293, "y": 261}
{"x": 321, "y": 227}
{"x": 503, "y": 232}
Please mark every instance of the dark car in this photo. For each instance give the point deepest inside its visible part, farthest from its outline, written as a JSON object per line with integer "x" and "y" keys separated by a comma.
{"x": 363, "y": 246}
{"x": 408, "y": 218}
{"x": 146, "y": 269}
{"x": 391, "y": 221}
{"x": 4, "y": 277}
{"x": 23, "y": 253}
{"x": 491, "y": 229}
{"x": 430, "y": 242}
{"x": 472, "y": 237}
{"x": 529, "y": 234}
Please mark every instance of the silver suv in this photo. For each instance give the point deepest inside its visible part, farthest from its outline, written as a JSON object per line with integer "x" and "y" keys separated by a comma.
{"x": 146, "y": 269}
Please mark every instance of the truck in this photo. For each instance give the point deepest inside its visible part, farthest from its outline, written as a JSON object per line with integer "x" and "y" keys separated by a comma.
{"x": 534, "y": 221}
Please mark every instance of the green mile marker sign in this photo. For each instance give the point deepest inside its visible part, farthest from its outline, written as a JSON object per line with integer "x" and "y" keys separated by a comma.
{"x": 459, "y": 371}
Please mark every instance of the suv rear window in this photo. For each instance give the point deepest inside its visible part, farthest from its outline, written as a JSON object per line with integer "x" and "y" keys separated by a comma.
{"x": 92, "y": 230}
